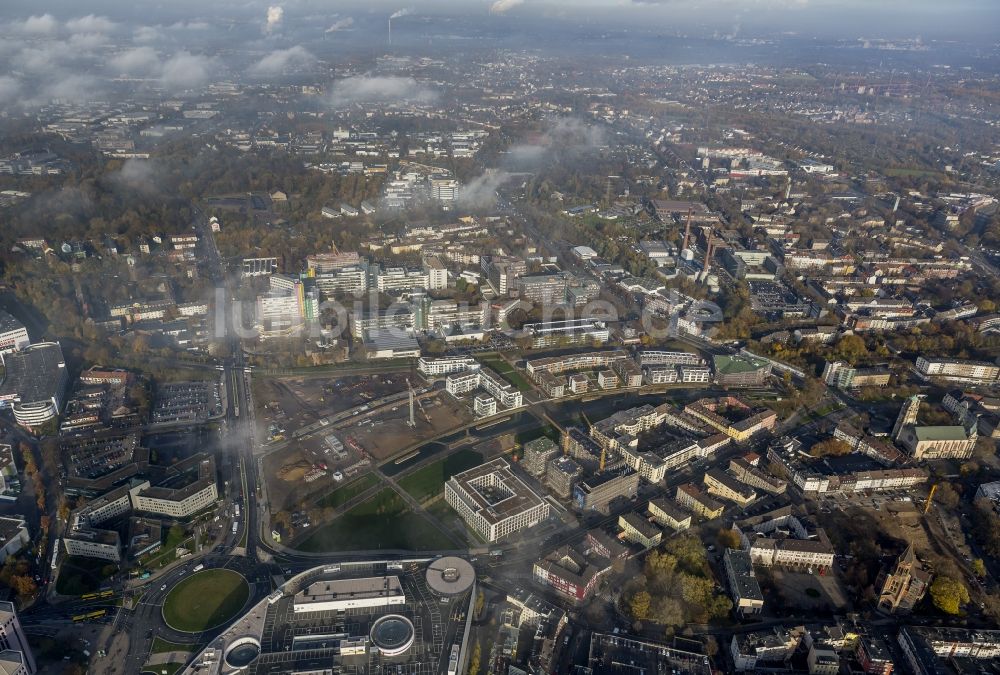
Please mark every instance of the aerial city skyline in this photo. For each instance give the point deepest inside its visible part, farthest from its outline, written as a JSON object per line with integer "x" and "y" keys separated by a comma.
{"x": 499, "y": 336}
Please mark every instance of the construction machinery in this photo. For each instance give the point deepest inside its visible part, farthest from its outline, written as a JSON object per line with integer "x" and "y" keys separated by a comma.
{"x": 930, "y": 498}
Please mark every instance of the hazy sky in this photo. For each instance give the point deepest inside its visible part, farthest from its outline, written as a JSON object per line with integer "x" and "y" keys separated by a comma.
{"x": 929, "y": 18}
{"x": 70, "y": 49}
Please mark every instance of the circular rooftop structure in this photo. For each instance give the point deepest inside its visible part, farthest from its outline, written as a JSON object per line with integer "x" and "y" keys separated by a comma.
{"x": 450, "y": 575}
{"x": 392, "y": 634}
{"x": 241, "y": 653}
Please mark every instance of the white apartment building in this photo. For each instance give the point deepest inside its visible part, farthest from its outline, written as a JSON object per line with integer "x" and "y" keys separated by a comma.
{"x": 695, "y": 374}
{"x": 444, "y": 189}
{"x": 463, "y": 383}
{"x": 13, "y": 334}
{"x": 178, "y": 503}
{"x": 437, "y": 274}
{"x": 402, "y": 319}
{"x": 660, "y": 374}
{"x": 651, "y": 357}
{"x": 353, "y": 279}
{"x": 446, "y": 365}
{"x": 959, "y": 370}
{"x": 90, "y": 543}
{"x": 484, "y": 405}
{"x": 279, "y": 312}
{"x": 399, "y": 278}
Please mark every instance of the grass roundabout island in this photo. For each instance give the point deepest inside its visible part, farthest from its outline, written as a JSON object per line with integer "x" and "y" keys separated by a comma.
{"x": 205, "y": 600}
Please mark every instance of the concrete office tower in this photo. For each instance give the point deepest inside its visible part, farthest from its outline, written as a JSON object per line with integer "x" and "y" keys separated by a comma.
{"x": 15, "y": 654}
{"x": 907, "y": 415}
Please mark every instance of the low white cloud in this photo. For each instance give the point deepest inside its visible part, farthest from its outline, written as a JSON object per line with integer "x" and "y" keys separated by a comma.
{"x": 71, "y": 88}
{"x": 146, "y": 34}
{"x": 10, "y": 87}
{"x": 43, "y": 24}
{"x": 87, "y": 42}
{"x": 48, "y": 58}
{"x": 340, "y": 24}
{"x": 481, "y": 191}
{"x": 90, "y": 24}
{"x": 185, "y": 70}
{"x": 136, "y": 61}
{"x": 190, "y": 25}
{"x": 379, "y": 89}
{"x": 279, "y": 60}
{"x": 567, "y": 136}
{"x": 137, "y": 174}
{"x": 502, "y": 6}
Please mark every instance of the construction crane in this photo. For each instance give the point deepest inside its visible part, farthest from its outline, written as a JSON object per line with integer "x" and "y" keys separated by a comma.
{"x": 412, "y": 422}
{"x": 930, "y": 498}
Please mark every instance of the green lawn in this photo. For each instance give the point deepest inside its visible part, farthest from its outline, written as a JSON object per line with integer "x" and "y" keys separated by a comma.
{"x": 161, "y": 668}
{"x": 384, "y": 521}
{"x": 205, "y": 600}
{"x": 346, "y": 493}
{"x": 83, "y": 575}
{"x": 429, "y": 481}
{"x": 450, "y": 519}
{"x": 168, "y": 551}
{"x": 161, "y": 646}
{"x": 507, "y": 371}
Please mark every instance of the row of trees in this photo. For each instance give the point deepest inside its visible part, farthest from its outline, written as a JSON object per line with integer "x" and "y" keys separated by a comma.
{"x": 16, "y": 575}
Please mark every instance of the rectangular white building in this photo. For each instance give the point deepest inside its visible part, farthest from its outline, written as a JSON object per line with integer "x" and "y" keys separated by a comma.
{"x": 493, "y": 501}
{"x": 342, "y": 594}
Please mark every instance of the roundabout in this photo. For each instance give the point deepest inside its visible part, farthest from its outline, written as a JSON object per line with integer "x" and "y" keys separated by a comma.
{"x": 205, "y": 600}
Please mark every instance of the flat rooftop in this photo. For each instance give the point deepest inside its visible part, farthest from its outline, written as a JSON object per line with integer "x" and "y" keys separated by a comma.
{"x": 494, "y": 492}
{"x": 9, "y": 527}
{"x": 8, "y": 323}
{"x": 34, "y": 374}
{"x": 184, "y": 479}
{"x": 349, "y": 589}
{"x": 746, "y": 585}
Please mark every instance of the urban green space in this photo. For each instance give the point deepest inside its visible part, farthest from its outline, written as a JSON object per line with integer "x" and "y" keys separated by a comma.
{"x": 429, "y": 481}
{"x": 163, "y": 669}
{"x": 346, "y": 493}
{"x": 447, "y": 516}
{"x": 167, "y": 553}
{"x": 161, "y": 646}
{"x": 495, "y": 362}
{"x": 382, "y": 522}
{"x": 205, "y": 600}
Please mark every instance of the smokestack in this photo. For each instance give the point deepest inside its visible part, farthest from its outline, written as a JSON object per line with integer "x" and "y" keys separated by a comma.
{"x": 687, "y": 230}
{"x": 709, "y": 252}
{"x": 895, "y": 206}
{"x": 390, "y": 31}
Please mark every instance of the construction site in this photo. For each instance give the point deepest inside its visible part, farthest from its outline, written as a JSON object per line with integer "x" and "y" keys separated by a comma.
{"x": 324, "y": 436}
